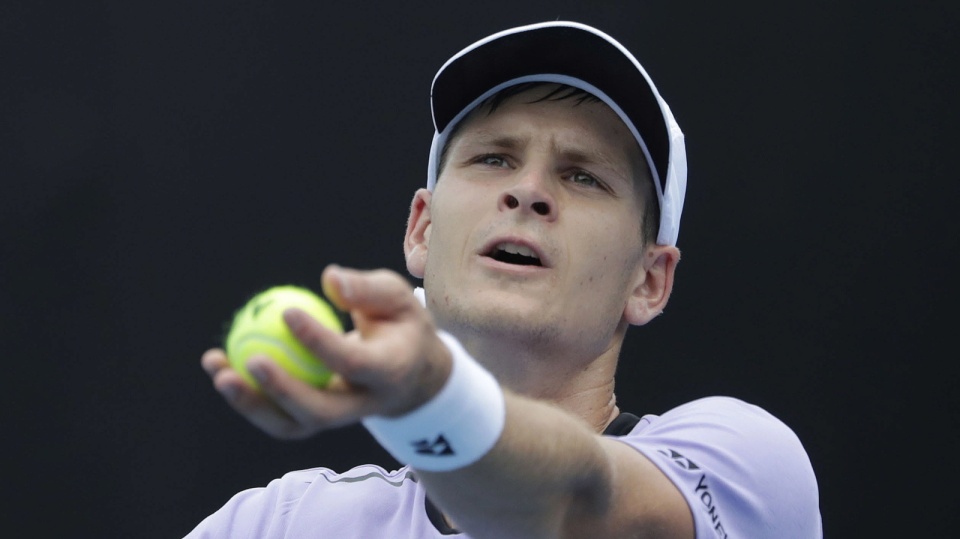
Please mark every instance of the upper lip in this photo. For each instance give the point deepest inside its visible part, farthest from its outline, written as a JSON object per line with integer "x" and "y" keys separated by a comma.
{"x": 523, "y": 243}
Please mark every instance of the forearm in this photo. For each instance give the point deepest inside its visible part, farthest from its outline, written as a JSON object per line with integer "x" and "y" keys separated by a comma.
{"x": 547, "y": 467}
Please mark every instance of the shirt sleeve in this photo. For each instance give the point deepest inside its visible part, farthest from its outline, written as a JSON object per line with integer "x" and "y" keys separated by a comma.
{"x": 743, "y": 472}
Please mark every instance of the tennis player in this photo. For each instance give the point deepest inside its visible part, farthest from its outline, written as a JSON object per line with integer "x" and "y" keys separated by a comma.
{"x": 548, "y": 226}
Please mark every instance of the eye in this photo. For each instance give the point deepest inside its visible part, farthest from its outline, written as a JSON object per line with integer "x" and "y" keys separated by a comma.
{"x": 586, "y": 179}
{"x": 492, "y": 160}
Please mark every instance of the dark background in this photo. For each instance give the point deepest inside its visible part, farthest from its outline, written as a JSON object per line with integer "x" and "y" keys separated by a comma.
{"x": 163, "y": 160}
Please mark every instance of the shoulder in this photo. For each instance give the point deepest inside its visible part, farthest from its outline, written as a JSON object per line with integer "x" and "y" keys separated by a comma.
{"x": 742, "y": 470}
{"x": 723, "y": 417}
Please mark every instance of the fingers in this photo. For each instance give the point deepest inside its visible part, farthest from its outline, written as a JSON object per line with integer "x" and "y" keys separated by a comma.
{"x": 214, "y": 360}
{"x": 309, "y": 409}
{"x": 284, "y": 406}
{"x": 225, "y": 380}
{"x": 245, "y": 399}
{"x": 346, "y": 355}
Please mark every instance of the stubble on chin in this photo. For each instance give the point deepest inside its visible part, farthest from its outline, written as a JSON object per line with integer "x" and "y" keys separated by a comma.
{"x": 495, "y": 325}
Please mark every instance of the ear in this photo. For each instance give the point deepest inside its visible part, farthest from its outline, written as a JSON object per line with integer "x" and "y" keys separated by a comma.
{"x": 653, "y": 284}
{"x": 417, "y": 237}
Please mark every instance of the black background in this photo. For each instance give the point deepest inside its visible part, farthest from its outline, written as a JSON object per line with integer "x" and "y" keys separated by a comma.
{"x": 163, "y": 160}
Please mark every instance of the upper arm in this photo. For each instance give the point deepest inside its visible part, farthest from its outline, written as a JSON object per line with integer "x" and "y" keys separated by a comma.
{"x": 741, "y": 471}
{"x": 635, "y": 499}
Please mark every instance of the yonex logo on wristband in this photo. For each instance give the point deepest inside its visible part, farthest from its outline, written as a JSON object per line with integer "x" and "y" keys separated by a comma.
{"x": 438, "y": 448}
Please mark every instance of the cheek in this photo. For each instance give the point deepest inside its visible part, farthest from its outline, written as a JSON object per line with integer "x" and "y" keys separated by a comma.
{"x": 448, "y": 235}
{"x": 456, "y": 213}
{"x": 451, "y": 199}
{"x": 610, "y": 257}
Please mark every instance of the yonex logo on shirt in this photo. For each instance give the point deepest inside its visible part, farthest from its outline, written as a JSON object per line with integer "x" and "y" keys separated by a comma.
{"x": 438, "y": 448}
{"x": 680, "y": 460}
{"x": 702, "y": 490}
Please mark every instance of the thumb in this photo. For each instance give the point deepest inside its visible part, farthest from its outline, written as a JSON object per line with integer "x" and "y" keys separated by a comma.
{"x": 376, "y": 294}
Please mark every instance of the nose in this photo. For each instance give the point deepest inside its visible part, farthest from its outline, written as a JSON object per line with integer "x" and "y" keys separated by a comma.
{"x": 531, "y": 193}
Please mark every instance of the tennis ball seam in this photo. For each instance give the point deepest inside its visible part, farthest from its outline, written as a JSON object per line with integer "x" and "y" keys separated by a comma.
{"x": 308, "y": 365}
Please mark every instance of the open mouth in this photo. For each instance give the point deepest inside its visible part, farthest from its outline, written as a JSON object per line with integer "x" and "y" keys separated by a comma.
{"x": 511, "y": 253}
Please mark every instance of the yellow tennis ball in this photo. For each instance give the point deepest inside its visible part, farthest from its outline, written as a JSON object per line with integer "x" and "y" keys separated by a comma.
{"x": 258, "y": 328}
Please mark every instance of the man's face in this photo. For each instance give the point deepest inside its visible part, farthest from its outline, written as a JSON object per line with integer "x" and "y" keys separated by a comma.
{"x": 535, "y": 224}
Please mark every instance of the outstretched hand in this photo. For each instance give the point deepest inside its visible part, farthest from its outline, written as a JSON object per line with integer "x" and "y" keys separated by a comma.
{"x": 389, "y": 364}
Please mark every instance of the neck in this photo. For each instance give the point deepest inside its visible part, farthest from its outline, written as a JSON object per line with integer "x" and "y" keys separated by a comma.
{"x": 583, "y": 385}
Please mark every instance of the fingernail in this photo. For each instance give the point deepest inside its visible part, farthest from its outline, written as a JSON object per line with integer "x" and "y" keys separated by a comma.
{"x": 229, "y": 393}
{"x": 258, "y": 372}
{"x": 342, "y": 284}
{"x": 293, "y": 319}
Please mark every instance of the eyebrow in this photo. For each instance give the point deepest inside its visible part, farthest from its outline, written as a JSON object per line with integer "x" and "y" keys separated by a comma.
{"x": 510, "y": 142}
{"x": 572, "y": 154}
{"x": 493, "y": 139}
{"x": 588, "y": 157}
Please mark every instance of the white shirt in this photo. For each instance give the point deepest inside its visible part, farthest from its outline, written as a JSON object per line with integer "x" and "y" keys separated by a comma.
{"x": 743, "y": 472}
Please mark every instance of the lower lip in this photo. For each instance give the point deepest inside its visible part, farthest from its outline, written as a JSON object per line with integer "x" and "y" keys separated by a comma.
{"x": 512, "y": 269}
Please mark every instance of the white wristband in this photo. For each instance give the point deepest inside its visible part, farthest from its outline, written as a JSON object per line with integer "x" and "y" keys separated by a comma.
{"x": 454, "y": 428}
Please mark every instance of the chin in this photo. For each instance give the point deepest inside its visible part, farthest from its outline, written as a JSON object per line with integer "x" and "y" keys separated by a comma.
{"x": 493, "y": 315}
